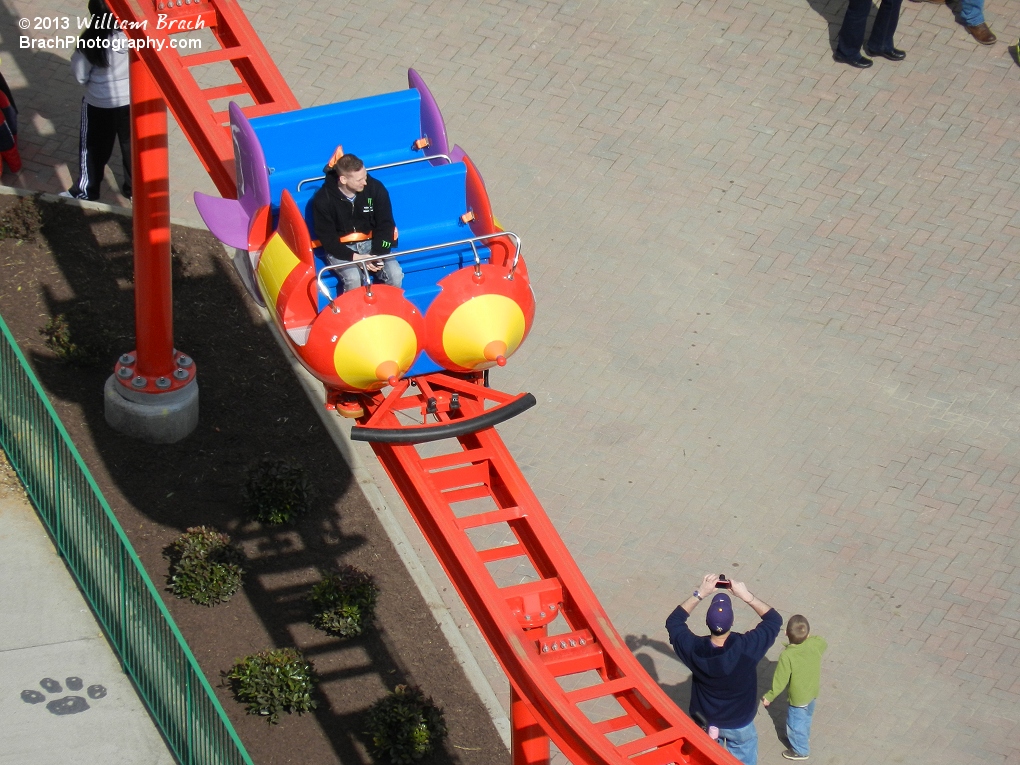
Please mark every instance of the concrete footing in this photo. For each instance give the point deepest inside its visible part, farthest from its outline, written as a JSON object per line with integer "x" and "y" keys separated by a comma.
{"x": 159, "y": 418}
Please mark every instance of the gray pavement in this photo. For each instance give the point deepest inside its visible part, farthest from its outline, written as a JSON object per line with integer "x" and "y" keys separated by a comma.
{"x": 47, "y": 635}
{"x": 777, "y": 329}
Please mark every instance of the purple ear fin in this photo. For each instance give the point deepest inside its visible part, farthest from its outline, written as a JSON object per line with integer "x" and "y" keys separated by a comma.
{"x": 249, "y": 163}
{"x": 432, "y": 123}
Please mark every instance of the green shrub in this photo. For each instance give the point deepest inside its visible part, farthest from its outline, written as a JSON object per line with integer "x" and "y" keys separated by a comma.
{"x": 277, "y": 490}
{"x": 59, "y": 340}
{"x": 405, "y": 726}
{"x": 204, "y": 566}
{"x": 271, "y": 682}
{"x": 344, "y": 602}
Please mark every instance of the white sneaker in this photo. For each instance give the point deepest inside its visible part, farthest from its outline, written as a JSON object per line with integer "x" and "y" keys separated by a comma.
{"x": 66, "y": 194}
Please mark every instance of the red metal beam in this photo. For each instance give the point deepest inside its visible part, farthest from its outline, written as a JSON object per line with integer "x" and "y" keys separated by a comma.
{"x": 446, "y": 495}
{"x": 155, "y": 26}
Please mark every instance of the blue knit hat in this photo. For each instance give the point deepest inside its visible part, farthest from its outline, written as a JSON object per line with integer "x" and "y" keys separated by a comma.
{"x": 720, "y": 614}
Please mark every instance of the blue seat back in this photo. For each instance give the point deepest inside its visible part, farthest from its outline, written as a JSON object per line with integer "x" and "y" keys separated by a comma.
{"x": 379, "y": 129}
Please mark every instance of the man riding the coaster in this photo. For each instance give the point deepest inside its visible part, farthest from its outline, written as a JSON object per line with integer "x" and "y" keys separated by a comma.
{"x": 354, "y": 222}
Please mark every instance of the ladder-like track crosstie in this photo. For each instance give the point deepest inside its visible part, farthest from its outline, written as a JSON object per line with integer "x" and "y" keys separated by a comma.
{"x": 202, "y": 112}
{"x": 583, "y": 686}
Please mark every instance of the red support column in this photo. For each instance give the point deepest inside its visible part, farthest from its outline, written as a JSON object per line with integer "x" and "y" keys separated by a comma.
{"x": 154, "y": 366}
{"x": 150, "y": 163}
{"x": 152, "y": 393}
{"x": 529, "y": 745}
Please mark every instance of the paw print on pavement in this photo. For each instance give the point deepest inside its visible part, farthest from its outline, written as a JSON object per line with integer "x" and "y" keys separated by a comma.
{"x": 67, "y": 705}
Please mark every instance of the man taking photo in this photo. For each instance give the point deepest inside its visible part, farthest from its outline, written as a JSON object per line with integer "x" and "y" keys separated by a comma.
{"x": 724, "y": 687}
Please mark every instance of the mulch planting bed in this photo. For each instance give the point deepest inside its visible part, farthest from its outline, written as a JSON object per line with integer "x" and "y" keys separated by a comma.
{"x": 60, "y": 259}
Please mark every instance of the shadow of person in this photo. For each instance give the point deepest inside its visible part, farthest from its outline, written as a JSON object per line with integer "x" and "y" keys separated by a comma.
{"x": 777, "y": 709}
{"x": 832, "y": 11}
{"x": 679, "y": 693}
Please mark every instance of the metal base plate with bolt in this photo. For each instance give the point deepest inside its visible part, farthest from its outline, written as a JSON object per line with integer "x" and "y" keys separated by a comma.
{"x": 159, "y": 418}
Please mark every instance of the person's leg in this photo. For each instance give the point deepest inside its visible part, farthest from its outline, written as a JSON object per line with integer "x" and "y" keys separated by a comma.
{"x": 351, "y": 277}
{"x": 882, "y": 31}
{"x": 391, "y": 274}
{"x": 851, "y": 34}
{"x": 798, "y": 728}
{"x": 123, "y": 119}
{"x": 347, "y": 278}
{"x": 95, "y": 145}
{"x": 742, "y": 743}
{"x": 972, "y": 12}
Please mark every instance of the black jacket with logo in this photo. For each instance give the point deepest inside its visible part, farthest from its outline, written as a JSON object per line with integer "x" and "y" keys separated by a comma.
{"x": 336, "y": 216}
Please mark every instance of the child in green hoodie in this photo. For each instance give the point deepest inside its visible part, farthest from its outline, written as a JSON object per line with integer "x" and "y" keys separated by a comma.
{"x": 800, "y": 666}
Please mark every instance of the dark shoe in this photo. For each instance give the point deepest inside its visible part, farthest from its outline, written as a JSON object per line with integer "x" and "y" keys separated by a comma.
{"x": 792, "y": 755}
{"x": 935, "y": 2}
{"x": 893, "y": 54}
{"x": 982, "y": 34}
{"x": 858, "y": 63}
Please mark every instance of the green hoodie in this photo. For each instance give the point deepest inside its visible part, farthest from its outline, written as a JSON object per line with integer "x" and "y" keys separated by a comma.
{"x": 801, "y": 666}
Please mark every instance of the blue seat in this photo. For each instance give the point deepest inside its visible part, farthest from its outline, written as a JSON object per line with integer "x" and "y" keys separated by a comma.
{"x": 379, "y": 129}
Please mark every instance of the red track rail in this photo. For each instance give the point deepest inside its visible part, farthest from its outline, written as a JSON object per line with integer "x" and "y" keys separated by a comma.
{"x": 253, "y": 75}
{"x": 583, "y": 686}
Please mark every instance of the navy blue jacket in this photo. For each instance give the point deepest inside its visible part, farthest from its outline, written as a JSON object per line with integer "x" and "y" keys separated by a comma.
{"x": 725, "y": 680}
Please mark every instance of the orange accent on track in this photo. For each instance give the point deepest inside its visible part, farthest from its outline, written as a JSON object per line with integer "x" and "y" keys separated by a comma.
{"x": 475, "y": 483}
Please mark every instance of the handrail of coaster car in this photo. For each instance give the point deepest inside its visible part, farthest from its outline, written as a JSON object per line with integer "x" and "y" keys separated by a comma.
{"x": 430, "y": 158}
{"x": 473, "y": 241}
{"x": 580, "y": 687}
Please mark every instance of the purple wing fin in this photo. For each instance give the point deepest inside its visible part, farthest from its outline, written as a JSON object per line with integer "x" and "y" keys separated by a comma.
{"x": 225, "y": 218}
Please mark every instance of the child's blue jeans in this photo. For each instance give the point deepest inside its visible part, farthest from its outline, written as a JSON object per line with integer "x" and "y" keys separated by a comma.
{"x": 798, "y": 727}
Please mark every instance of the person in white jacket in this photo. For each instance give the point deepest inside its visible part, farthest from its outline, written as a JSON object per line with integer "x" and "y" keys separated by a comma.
{"x": 100, "y": 63}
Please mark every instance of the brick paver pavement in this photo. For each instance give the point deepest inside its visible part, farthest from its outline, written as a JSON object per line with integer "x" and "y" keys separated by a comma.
{"x": 777, "y": 323}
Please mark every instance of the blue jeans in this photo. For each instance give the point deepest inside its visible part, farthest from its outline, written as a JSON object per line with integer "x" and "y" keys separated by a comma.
{"x": 351, "y": 277}
{"x": 391, "y": 274}
{"x": 742, "y": 743}
{"x": 851, "y": 34}
{"x": 972, "y": 12}
{"x": 798, "y": 727}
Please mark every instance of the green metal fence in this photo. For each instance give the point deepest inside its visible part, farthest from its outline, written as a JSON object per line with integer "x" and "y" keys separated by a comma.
{"x": 124, "y": 599}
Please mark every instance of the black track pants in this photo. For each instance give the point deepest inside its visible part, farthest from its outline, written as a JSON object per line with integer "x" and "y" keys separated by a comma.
{"x": 99, "y": 129}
